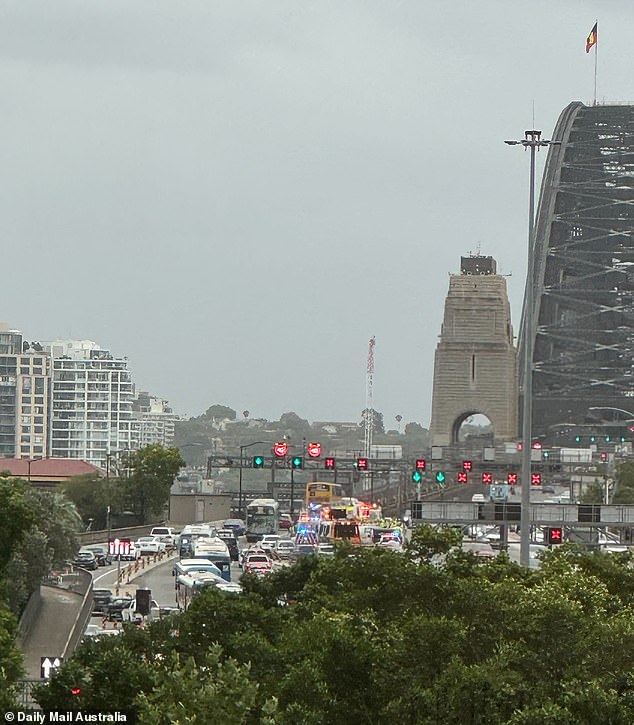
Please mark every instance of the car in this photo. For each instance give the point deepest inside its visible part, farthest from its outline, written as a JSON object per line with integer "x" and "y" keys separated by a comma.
{"x": 248, "y": 552}
{"x": 325, "y": 550}
{"x": 101, "y": 553}
{"x": 478, "y": 498}
{"x": 149, "y": 545}
{"x": 548, "y": 489}
{"x": 286, "y": 522}
{"x": 269, "y": 541}
{"x": 113, "y": 612}
{"x": 285, "y": 548}
{"x": 166, "y": 534}
{"x": 305, "y": 550}
{"x": 85, "y": 559}
{"x": 101, "y": 599}
{"x": 237, "y": 525}
{"x": 258, "y": 568}
{"x": 130, "y": 613}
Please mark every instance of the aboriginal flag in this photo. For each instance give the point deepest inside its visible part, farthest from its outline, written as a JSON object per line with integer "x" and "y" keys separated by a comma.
{"x": 592, "y": 38}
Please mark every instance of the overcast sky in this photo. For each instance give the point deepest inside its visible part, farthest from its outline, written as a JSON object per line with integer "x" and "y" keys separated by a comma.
{"x": 238, "y": 195}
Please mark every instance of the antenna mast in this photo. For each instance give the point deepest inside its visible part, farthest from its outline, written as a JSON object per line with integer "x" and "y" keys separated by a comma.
{"x": 369, "y": 401}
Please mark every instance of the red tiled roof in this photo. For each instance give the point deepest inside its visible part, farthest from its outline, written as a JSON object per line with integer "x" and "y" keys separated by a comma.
{"x": 48, "y": 467}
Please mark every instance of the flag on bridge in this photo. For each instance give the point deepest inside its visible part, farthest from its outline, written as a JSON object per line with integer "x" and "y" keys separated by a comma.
{"x": 592, "y": 38}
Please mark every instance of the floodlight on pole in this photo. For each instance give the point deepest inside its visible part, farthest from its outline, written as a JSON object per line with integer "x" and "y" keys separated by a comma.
{"x": 532, "y": 140}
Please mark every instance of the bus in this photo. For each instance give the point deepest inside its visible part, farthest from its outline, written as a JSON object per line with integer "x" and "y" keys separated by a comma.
{"x": 263, "y": 517}
{"x": 189, "y": 585}
{"x": 320, "y": 492}
{"x": 216, "y": 551}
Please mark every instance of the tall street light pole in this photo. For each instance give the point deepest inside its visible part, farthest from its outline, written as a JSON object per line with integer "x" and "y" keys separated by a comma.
{"x": 242, "y": 449}
{"x": 532, "y": 140}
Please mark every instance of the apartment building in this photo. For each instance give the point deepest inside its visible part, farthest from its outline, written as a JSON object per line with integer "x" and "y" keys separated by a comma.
{"x": 24, "y": 396}
{"x": 156, "y": 420}
{"x": 91, "y": 402}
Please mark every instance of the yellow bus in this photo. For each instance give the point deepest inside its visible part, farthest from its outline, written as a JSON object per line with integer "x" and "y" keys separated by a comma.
{"x": 319, "y": 493}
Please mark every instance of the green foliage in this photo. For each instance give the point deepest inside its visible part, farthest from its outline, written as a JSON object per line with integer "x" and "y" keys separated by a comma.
{"x": 220, "y": 412}
{"x": 624, "y": 484}
{"x": 16, "y": 515}
{"x": 151, "y": 473}
{"x": 92, "y": 494}
{"x": 373, "y": 636}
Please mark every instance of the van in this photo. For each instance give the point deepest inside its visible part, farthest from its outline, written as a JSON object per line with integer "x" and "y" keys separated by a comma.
{"x": 478, "y": 498}
{"x": 165, "y": 534}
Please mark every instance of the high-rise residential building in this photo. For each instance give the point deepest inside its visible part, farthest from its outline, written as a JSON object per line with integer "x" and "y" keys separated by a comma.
{"x": 156, "y": 420}
{"x": 24, "y": 396}
{"x": 91, "y": 402}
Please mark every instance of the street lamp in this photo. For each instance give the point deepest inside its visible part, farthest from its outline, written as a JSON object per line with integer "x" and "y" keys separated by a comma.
{"x": 242, "y": 449}
{"x": 532, "y": 140}
{"x": 28, "y": 464}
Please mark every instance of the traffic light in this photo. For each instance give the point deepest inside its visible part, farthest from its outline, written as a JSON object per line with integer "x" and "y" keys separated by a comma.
{"x": 467, "y": 466}
{"x": 329, "y": 463}
{"x": 511, "y": 478}
{"x": 417, "y": 476}
{"x": 362, "y": 464}
{"x": 462, "y": 477}
{"x": 420, "y": 464}
{"x": 536, "y": 479}
{"x": 297, "y": 462}
{"x": 280, "y": 449}
{"x": 440, "y": 477}
{"x": 577, "y": 439}
{"x": 258, "y": 461}
{"x": 487, "y": 478}
{"x": 314, "y": 450}
{"x": 604, "y": 456}
{"x": 75, "y": 691}
{"x": 607, "y": 439}
{"x": 555, "y": 535}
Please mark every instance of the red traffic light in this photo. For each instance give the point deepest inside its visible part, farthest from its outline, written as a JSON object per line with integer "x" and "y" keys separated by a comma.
{"x": 314, "y": 450}
{"x": 420, "y": 464}
{"x": 487, "y": 478}
{"x": 555, "y": 535}
{"x": 362, "y": 464}
{"x": 511, "y": 477}
{"x": 462, "y": 477}
{"x": 536, "y": 479}
{"x": 280, "y": 449}
{"x": 329, "y": 462}
{"x": 75, "y": 691}
{"x": 467, "y": 466}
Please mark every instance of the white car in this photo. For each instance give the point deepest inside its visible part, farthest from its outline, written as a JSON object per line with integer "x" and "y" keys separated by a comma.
{"x": 270, "y": 541}
{"x": 130, "y": 614}
{"x": 149, "y": 545}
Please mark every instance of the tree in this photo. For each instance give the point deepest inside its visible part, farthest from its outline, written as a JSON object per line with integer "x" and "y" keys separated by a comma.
{"x": 376, "y": 417}
{"x": 152, "y": 472}
{"x": 92, "y": 494}
{"x": 16, "y": 515}
{"x": 220, "y": 412}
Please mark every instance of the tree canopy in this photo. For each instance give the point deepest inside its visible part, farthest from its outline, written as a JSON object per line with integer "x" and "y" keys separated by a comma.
{"x": 372, "y": 636}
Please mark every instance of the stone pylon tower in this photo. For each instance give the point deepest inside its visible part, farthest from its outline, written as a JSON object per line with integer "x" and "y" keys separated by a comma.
{"x": 475, "y": 367}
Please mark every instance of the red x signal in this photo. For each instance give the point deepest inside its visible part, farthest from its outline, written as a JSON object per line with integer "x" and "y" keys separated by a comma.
{"x": 536, "y": 479}
{"x": 487, "y": 478}
{"x": 462, "y": 477}
{"x": 511, "y": 478}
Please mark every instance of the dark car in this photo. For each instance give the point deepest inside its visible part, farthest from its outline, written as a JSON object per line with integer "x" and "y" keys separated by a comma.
{"x": 237, "y": 525}
{"x": 102, "y": 598}
{"x": 101, "y": 554}
{"x": 548, "y": 489}
{"x": 114, "y": 610}
{"x": 85, "y": 559}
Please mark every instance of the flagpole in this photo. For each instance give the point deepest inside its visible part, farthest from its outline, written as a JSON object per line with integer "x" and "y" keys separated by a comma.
{"x": 596, "y": 57}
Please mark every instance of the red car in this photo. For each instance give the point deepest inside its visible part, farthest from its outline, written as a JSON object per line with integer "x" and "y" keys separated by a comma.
{"x": 286, "y": 522}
